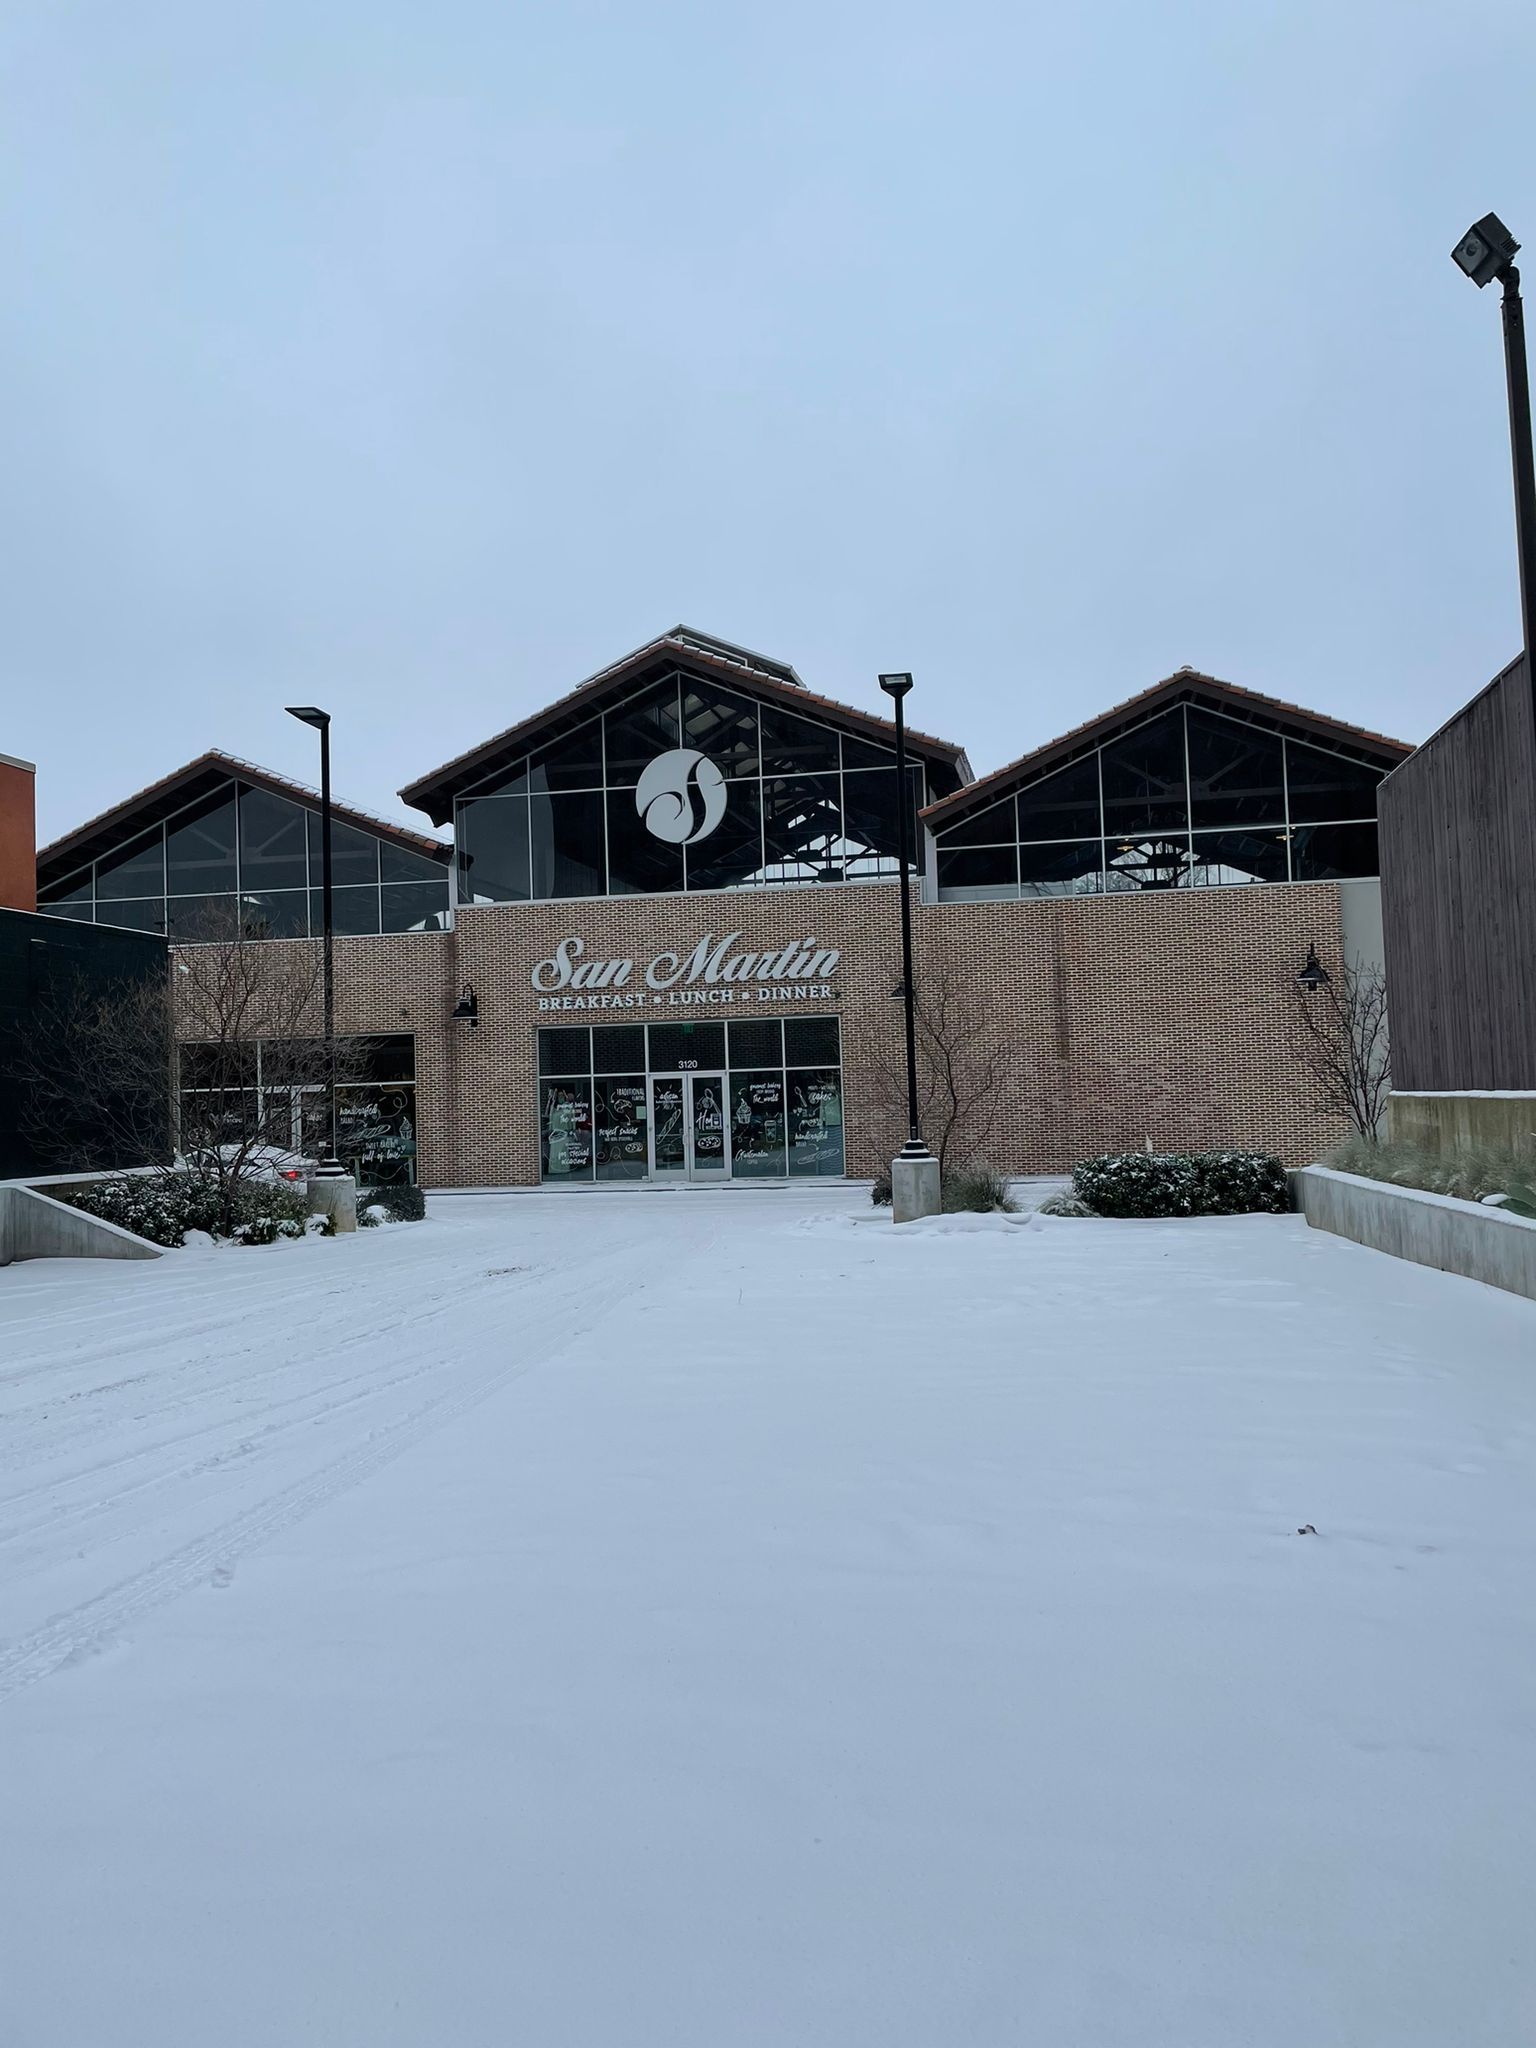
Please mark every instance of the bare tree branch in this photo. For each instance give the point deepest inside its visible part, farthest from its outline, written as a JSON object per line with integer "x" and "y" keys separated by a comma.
{"x": 1340, "y": 1036}
{"x": 963, "y": 1070}
{"x": 199, "y": 1073}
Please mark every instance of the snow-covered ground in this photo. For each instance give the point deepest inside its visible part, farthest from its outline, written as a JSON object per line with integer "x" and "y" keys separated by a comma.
{"x": 725, "y": 1621}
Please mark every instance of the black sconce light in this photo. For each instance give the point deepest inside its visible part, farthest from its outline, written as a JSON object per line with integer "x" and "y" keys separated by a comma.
{"x": 467, "y": 1009}
{"x": 1314, "y": 975}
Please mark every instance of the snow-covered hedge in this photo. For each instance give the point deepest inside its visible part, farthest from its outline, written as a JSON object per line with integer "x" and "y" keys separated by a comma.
{"x": 400, "y": 1202}
{"x": 164, "y": 1207}
{"x": 1182, "y": 1184}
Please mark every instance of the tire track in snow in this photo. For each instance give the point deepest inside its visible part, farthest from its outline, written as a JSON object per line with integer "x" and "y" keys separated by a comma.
{"x": 83, "y": 1629}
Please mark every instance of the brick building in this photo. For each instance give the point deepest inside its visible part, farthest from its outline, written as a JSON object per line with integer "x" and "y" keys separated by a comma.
{"x": 663, "y": 941}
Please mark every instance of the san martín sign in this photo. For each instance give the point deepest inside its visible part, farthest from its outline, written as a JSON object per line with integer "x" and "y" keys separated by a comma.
{"x": 717, "y": 971}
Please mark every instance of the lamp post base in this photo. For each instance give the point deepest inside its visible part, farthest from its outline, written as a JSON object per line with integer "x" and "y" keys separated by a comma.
{"x": 335, "y": 1195}
{"x": 916, "y": 1189}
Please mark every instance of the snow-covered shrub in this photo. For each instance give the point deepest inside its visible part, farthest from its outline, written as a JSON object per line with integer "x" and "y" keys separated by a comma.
{"x": 1239, "y": 1183}
{"x": 1063, "y": 1204}
{"x": 979, "y": 1188}
{"x": 401, "y": 1202}
{"x": 1139, "y": 1184}
{"x": 880, "y": 1193}
{"x": 1182, "y": 1184}
{"x": 164, "y": 1207}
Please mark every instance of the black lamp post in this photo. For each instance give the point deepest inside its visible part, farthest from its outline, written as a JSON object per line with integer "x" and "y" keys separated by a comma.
{"x": 1485, "y": 252}
{"x": 330, "y": 1166}
{"x": 896, "y": 687}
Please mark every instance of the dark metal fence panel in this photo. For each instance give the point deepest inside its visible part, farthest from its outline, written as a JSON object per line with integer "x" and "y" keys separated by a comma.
{"x": 1458, "y": 890}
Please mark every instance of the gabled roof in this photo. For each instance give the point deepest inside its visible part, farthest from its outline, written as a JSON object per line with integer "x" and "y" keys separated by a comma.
{"x": 1188, "y": 685}
{"x": 682, "y": 647}
{"x": 99, "y": 836}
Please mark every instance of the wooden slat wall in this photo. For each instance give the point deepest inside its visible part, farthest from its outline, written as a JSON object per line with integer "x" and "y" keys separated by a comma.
{"x": 1458, "y": 891}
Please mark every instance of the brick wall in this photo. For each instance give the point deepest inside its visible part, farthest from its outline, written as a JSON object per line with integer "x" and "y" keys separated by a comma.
{"x": 1114, "y": 1019}
{"x": 18, "y": 835}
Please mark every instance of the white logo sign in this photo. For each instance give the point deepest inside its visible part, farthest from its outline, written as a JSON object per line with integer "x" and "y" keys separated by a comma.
{"x": 681, "y": 797}
{"x": 716, "y": 971}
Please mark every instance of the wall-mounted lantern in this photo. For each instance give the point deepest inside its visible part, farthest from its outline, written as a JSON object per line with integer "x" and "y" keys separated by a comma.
{"x": 1314, "y": 975}
{"x": 467, "y": 1009}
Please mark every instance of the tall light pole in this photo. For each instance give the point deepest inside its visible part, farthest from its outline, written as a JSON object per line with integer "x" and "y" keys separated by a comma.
{"x": 915, "y": 1171}
{"x": 1485, "y": 252}
{"x": 330, "y": 1166}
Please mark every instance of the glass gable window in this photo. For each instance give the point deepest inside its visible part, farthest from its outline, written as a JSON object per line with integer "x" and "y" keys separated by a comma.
{"x": 737, "y": 794}
{"x": 138, "y": 871}
{"x": 493, "y": 850}
{"x": 1192, "y": 798}
{"x": 245, "y": 862}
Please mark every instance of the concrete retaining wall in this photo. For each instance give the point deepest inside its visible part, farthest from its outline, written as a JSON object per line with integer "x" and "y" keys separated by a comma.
{"x": 1455, "y": 1123}
{"x": 1432, "y": 1230}
{"x": 34, "y": 1226}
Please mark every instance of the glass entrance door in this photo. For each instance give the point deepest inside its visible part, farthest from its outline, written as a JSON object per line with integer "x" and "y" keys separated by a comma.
{"x": 690, "y": 1136}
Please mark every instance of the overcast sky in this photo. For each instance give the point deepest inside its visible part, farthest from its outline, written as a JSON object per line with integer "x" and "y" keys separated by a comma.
{"x": 419, "y": 360}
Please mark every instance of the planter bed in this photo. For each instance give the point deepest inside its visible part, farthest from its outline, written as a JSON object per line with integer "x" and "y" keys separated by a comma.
{"x": 1469, "y": 1238}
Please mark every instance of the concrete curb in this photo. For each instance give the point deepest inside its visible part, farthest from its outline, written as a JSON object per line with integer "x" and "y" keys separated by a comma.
{"x": 1433, "y": 1230}
{"x": 35, "y": 1226}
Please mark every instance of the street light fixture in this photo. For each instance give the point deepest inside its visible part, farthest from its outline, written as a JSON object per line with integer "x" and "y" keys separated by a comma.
{"x": 1485, "y": 252}
{"x": 330, "y": 1167}
{"x": 896, "y": 687}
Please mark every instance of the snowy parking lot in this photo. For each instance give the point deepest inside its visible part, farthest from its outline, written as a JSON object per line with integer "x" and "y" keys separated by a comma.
{"x": 725, "y": 1621}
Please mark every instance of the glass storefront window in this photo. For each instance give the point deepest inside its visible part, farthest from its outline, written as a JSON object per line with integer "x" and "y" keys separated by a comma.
{"x": 567, "y": 1051}
{"x": 757, "y": 1125}
{"x": 697, "y": 1046}
{"x": 376, "y": 1133}
{"x": 620, "y": 1132}
{"x": 618, "y": 1048}
{"x": 811, "y": 1042}
{"x": 815, "y": 1097}
{"x": 757, "y": 1043}
{"x": 565, "y": 1129}
{"x": 760, "y": 1120}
